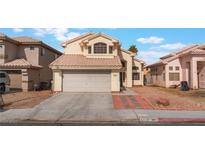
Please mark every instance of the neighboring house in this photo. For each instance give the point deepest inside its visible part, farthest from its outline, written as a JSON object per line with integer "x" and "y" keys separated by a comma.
{"x": 26, "y": 60}
{"x": 186, "y": 65}
{"x": 95, "y": 62}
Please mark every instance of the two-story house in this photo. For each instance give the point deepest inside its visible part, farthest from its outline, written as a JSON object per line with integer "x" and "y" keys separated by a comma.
{"x": 95, "y": 62}
{"x": 26, "y": 60}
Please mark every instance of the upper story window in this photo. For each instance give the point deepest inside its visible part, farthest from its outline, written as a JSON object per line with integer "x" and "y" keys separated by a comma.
{"x": 89, "y": 50}
{"x": 110, "y": 49}
{"x": 177, "y": 68}
{"x": 100, "y": 48}
{"x": 32, "y": 47}
{"x": 42, "y": 51}
{"x": 170, "y": 68}
{"x": 135, "y": 68}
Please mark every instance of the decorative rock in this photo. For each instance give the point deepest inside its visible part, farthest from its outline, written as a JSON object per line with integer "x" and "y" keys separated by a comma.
{"x": 163, "y": 101}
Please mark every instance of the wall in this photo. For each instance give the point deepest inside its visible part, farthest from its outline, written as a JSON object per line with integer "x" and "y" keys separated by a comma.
{"x": 31, "y": 56}
{"x": 103, "y": 40}
{"x": 158, "y": 79}
{"x": 74, "y": 47}
{"x": 46, "y": 74}
{"x": 57, "y": 80}
{"x": 2, "y": 52}
{"x": 11, "y": 50}
{"x": 140, "y": 66}
{"x": 29, "y": 78}
{"x": 129, "y": 59}
{"x": 115, "y": 81}
{"x": 174, "y": 63}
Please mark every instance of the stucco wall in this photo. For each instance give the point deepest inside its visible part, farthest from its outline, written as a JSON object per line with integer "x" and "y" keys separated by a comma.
{"x": 158, "y": 79}
{"x": 174, "y": 64}
{"x": 129, "y": 59}
{"x": 30, "y": 55}
{"x": 46, "y": 74}
{"x": 11, "y": 50}
{"x": 57, "y": 80}
{"x": 2, "y": 52}
{"x": 115, "y": 81}
{"x": 29, "y": 78}
{"x": 140, "y": 71}
{"x": 74, "y": 47}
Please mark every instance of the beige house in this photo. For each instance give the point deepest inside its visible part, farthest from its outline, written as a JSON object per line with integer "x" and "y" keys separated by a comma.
{"x": 95, "y": 62}
{"x": 186, "y": 65}
{"x": 26, "y": 60}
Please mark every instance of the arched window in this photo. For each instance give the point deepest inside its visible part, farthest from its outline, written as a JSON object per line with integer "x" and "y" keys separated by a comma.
{"x": 100, "y": 48}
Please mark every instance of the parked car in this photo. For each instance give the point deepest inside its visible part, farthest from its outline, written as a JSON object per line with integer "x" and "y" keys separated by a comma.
{"x": 4, "y": 80}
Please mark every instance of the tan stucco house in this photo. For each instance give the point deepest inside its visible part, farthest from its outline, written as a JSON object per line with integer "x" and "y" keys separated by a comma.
{"x": 26, "y": 60}
{"x": 95, "y": 62}
{"x": 187, "y": 64}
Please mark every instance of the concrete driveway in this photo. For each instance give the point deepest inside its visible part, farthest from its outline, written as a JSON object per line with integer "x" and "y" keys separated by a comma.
{"x": 88, "y": 108}
{"x": 72, "y": 107}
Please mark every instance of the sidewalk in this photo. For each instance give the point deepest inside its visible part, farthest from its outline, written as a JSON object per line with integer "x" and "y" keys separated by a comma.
{"x": 170, "y": 116}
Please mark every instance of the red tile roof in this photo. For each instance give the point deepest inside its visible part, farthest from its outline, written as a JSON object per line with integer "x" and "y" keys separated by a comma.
{"x": 19, "y": 64}
{"x": 72, "y": 60}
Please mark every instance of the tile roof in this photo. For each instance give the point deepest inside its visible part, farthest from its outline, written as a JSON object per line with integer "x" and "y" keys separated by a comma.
{"x": 193, "y": 49}
{"x": 19, "y": 63}
{"x": 72, "y": 60}
{"x": 24, "y": 39}
{"x": 28, "y": 40}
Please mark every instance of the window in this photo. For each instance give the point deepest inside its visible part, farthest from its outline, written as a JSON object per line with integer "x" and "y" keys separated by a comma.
{"x": 2, "y": 75}
{"x": 136, "y": 76}
{"x": 1, "y": 46}
{"x": 110, "y": 49}
{"x": 177, "y": 68}
{"x": 100, "y": 48}
{"x": 164, "y": 77}
{"x": 135, "y": 68}
{"x": 154, "y": 71}
{"x": 170, "y": 68}
{"x": 32, "y": 47}
{"x": 173, "y": 76}
{"x": 42, "y": 51}
{"x": 89, "y": 49}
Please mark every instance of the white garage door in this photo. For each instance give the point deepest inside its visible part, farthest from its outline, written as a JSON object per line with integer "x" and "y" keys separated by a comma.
{"x": 86, "y": 81}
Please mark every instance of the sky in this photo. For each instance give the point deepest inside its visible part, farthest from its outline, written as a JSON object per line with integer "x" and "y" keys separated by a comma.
{"x": 152, "y": 43}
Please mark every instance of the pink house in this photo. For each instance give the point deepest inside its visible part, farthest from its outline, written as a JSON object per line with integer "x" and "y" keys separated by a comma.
{"x": 187, "y": 64}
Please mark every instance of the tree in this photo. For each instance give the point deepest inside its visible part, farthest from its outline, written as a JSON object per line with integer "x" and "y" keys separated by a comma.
{"x": 133, "y": 49}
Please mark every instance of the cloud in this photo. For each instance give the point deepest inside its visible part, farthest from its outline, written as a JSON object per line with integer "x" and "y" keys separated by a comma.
{"x": 173, "y": 46}
{"x": 17, "y": 29}
{"x": 72, "y": 35}
{"x": 151, "y": 40}
{"x": 61, "y": 34}
{"x": 151, "y": 56}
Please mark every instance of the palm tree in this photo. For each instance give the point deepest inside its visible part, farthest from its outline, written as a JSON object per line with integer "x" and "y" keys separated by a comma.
{"x": 133, "y": 49}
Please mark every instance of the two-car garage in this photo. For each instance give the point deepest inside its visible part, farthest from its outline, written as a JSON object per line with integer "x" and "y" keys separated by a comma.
{"x": 86, "y": 81}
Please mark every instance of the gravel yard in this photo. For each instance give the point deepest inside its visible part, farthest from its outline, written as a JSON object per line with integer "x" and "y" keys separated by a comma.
{"x": 22, "y": 100}
{"x": 178, "y": 100}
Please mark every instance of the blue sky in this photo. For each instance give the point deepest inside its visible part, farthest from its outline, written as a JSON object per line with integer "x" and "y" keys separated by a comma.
{"x": 152, "y": 43}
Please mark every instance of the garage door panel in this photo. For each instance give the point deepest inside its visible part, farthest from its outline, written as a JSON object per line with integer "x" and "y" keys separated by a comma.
{"x": 86, "y": 81}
